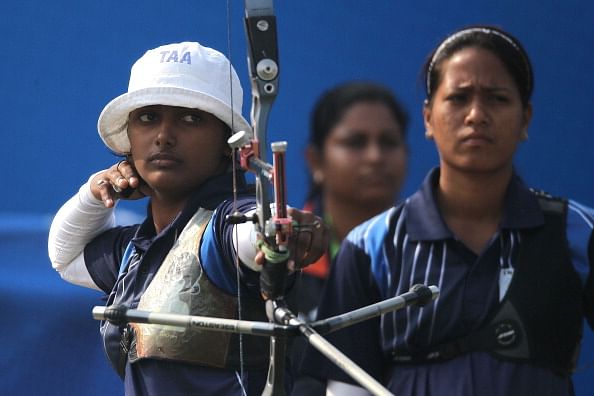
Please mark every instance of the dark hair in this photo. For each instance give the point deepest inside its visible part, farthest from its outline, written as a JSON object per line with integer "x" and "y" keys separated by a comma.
{"x": 506, "y": 47}
{"x": 335, "y": 102}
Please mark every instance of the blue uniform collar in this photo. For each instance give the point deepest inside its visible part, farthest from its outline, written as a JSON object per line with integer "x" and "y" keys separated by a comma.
{"x": 209, "y": 195}
{"x": 424, "y": 220}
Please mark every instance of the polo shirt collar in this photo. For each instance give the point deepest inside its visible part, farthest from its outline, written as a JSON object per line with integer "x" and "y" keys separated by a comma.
{"x": 208, "y": 196}
{"x": 424, "y": 220}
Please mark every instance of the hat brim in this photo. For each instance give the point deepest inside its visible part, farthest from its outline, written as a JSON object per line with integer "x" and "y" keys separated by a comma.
{"x": 113, "y": 120}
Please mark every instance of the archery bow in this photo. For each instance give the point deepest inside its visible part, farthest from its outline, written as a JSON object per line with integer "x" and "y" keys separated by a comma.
{"x": 260, "y": 24}
{"x": 274, "y": 231}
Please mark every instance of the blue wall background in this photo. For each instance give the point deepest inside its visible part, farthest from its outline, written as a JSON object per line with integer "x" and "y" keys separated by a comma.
{"x": 63, "y": 61}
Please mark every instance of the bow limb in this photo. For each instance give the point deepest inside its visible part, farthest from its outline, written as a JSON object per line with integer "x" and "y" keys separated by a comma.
{"x": 260, "y": 25}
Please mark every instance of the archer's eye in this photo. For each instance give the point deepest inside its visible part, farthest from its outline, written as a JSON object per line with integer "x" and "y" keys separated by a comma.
{"x": 356, "y": 142}
{"x": 147, "y": 117}
{"x": 457, "y": 98}
{"x": 390, "y": 140}
{"x": 192, "y": 118}
{"x": 498, "y": 98}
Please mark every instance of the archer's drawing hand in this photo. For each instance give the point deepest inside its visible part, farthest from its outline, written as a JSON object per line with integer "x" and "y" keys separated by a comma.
{"x": 120, "y": 181}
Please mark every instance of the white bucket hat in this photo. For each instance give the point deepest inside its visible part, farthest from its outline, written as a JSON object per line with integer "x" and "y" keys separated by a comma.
{"x": 182, "y": 74}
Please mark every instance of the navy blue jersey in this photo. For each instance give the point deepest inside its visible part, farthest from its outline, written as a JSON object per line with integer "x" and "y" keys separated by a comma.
{"x": 411, "y": 244}
{"x": 103, "y": 257}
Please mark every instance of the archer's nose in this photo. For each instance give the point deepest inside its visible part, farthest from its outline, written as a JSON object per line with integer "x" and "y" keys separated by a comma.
{"x": 166, "y": 135}
{"x": 477, "y": 113}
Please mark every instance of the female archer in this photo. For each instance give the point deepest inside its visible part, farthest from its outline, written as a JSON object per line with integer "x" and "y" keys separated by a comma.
{"x": 171, "y": 127}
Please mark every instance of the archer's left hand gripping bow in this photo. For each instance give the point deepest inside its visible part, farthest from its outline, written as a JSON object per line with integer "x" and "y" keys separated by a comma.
{"x": 274, "y": 229}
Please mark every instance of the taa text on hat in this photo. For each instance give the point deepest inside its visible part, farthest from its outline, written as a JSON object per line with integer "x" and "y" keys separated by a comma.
{"x": 173, "y": 56}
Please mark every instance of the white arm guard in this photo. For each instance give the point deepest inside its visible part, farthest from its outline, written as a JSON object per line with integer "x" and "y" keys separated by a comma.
{"x": 78, "y": 221}
{"x": 245, "y": 237}
{"x": 244, "y": 241}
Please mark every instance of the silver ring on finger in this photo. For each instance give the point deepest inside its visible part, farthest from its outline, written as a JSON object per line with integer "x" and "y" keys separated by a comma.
{"x": 120, "y": 163}
{"x": 115, "y": 186}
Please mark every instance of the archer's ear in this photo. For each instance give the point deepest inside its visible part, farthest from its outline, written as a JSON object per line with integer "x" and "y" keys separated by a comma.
{"x": 314, "y": 163}
{"x": 427, "y": 120}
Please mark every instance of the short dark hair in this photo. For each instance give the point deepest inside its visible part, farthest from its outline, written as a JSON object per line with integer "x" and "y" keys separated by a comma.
{"x": 334, "y": 102}
{"x": 505, "y": 46}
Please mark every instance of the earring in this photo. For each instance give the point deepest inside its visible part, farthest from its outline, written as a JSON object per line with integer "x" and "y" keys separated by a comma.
{"x": 428, "y": 135}
{"x": 524, "y": 135}
{"x": 318, "y": 177}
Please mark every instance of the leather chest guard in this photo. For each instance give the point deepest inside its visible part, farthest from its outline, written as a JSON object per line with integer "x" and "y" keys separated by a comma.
{"x": 181, "y": 286}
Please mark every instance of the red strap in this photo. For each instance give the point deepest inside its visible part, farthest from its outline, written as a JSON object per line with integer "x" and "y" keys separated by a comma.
{"x": 320, "y": 268}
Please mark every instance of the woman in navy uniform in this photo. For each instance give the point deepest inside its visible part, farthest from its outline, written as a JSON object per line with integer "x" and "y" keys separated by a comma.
{"x": 183, "y": 102}
{"x": 513, "y": 265}
{"x": 357, "y": 158}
